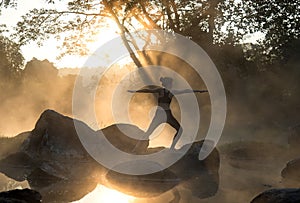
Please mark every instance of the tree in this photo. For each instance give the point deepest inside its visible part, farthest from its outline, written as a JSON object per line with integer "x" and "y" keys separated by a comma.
{"x": 81, "y": 20}
{"x": 207, "y": 22}
{"x": 11, "y": 59}
{"x": 7, "y": 3}
{"x": 279, "y": 20}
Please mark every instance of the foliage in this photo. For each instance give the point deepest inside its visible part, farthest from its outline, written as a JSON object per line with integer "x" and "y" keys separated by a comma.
{"x": 11, "y": 59}
{"x": 200, "y": 20}
{"x": 207, "y": 22}
{"x": 279, "y": 20}
{"x": 8, "y": 3}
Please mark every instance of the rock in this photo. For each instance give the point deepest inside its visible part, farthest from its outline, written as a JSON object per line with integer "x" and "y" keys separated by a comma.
{"x": 20, "y": 196}
{"x": 291, "y": 173}
{"x": 52, "y": 156}
{"x": 117, "y": 136}
{"x": 200, "y": 177}
{"x": 54, "y": 162}
{"x": 55, "y": 136}
{"x": 12, "y": 144}
{"x": 17, "y": 166}
{"x": 289, "y": 195}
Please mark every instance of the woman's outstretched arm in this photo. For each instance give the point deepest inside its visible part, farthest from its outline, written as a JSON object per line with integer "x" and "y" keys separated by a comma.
{"x": 176, "y": 92}
{"x": 201, "y": 91}
{"x": 144, "y": 91}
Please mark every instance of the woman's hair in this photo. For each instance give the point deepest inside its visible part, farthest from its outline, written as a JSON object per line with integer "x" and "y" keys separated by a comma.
{"x": 166, "y": 80}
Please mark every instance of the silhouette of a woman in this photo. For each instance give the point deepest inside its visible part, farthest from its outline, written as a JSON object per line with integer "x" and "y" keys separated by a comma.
{"x": 163, "y": 114}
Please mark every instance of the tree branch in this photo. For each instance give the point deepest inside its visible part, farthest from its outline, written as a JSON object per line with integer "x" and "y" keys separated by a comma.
{"x": 81, "y": 13}
{"x": 176, "y": 13}
{"x": 169, "y": 13}
{"x": 149, "y": 19}
{"x": 123, "y": 31}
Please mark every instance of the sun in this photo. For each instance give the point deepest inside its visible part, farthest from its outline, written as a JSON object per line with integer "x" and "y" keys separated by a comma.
{"x": 106, "y": 195}
{"x": 104, "y": 35}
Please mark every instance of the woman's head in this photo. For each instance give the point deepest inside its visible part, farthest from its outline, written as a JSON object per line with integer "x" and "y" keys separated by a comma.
{"x": 166, "y": 82}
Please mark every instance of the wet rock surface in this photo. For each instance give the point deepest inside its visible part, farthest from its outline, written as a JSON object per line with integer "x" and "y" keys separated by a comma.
{"x": 289, "y": 195}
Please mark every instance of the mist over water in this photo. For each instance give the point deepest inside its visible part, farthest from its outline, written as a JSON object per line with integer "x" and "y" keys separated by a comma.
{"x": 39, "y": 88}
{"x": 262, "y": 110}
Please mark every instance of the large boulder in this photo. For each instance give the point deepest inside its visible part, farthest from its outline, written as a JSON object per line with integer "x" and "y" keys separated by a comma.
{"x": 52, "y": 158}
{"x": 55, "y": 136}
{"x": 289, "y": 195}
{"x": 54, "y": 162}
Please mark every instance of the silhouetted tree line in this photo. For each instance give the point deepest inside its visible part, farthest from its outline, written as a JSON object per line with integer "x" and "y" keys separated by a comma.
{"x": 26, "y": 91}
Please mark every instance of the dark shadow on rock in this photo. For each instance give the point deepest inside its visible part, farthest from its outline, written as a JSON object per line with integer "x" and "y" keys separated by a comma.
{"x": 20, "y": 196}
{"x": 289, "y": 195}
{"x": 54, "y": 162}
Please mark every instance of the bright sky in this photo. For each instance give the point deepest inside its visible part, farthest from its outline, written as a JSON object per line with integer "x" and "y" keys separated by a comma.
{"x": 49, "y": 49}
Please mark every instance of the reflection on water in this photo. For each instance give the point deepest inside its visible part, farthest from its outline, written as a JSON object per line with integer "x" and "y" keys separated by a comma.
{"x": 105, "y": 195}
